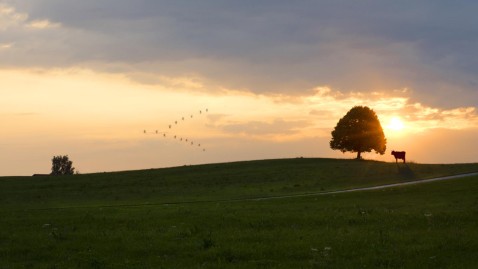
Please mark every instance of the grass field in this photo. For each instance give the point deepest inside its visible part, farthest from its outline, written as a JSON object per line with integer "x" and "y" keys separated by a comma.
{"x": 117, "y": 220}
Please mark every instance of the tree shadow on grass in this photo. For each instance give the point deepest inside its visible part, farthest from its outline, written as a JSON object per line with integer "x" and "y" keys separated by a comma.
{"x": 405, "y": 171}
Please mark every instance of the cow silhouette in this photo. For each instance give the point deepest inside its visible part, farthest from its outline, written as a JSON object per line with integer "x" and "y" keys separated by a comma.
{"x": 399, "y": 155}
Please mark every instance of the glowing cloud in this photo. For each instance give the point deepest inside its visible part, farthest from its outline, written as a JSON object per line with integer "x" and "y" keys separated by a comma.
{"x": 4, "y": 46}
{"x": 43, "y": 24}
{"x": 10, "y": 17}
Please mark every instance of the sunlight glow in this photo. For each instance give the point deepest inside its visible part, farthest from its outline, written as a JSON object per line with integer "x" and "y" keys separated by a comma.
{"x": 395, "y": 124}
{"x": 99, "y": 120}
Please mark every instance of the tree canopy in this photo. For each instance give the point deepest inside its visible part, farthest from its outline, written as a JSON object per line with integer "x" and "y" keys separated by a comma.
{"x": 61, "y": 165}
{"x": 359, "y": 131}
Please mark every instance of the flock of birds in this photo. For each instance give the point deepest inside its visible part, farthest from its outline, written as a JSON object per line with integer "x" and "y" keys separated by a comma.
{"x": 176, "y": 137}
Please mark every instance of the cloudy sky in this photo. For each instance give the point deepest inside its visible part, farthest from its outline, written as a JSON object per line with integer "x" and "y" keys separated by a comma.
{"x": 88, "y": 78}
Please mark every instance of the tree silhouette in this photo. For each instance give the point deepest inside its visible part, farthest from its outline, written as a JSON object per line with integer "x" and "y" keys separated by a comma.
{"x": 61, "y": 165}
{"x": 359, "y": 131}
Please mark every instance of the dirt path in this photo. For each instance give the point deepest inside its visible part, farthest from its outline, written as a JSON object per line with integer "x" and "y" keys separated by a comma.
{"x": 367, "y": 188}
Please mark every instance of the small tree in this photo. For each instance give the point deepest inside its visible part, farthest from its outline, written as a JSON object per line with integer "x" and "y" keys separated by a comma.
{"x": 61, "y": 165}
{"x": 359, "y": 131}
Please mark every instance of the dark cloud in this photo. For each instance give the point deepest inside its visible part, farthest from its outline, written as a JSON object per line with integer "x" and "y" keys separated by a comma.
{"x": 266, "y": 46}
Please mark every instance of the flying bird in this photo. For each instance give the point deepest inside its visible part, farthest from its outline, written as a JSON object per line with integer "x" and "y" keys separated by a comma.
{"x": 170, "y": 126}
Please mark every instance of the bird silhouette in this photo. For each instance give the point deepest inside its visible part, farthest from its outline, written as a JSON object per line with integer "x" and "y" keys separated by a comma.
{"x": 177, "y": 122}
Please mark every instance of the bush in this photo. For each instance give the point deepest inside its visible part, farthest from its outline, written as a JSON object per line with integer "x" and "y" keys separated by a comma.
{"x": 61, "y": 165}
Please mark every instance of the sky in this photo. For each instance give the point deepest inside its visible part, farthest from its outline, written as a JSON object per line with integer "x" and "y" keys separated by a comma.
{"x": 95, "y": 80}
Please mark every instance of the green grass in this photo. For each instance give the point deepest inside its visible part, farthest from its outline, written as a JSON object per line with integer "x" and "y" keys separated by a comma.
{"x": 431, "y": 225}
{"x": 213, "y": 182}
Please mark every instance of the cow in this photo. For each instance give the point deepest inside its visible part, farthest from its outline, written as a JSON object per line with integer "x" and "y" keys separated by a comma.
{"x": 399, "y": 155}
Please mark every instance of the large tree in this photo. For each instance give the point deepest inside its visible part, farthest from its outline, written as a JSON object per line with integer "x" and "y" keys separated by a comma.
{"x": 61, "y": 165}
{"x": 359, "y": 131}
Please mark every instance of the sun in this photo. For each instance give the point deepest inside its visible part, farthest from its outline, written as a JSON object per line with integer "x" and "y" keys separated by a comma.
{"x": 395, "y": 124}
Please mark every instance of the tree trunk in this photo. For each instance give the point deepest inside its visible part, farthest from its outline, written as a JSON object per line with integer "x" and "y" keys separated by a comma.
{"x": 358, "y": 155}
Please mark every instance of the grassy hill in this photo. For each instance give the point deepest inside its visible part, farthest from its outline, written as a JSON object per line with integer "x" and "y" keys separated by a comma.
{"x": 72, "y": 222}
{"x": 213, "y": 182}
